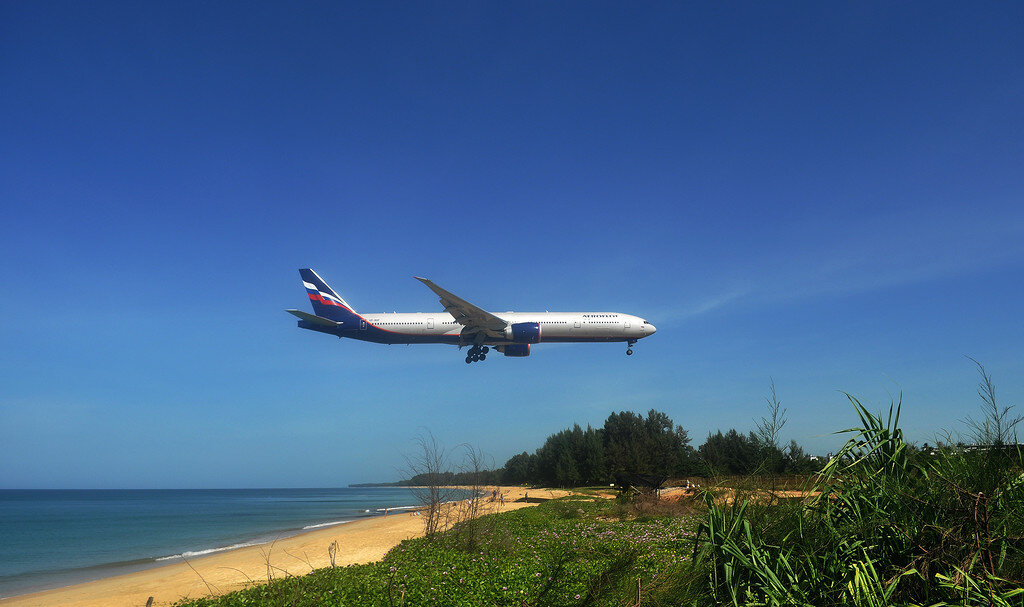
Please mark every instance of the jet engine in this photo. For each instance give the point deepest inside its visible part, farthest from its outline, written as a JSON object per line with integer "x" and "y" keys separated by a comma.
{"x": 523, "y": 333}
{"x": 514, "y": 349}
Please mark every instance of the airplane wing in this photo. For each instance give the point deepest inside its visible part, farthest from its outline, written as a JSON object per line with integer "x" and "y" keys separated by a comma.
{"x": 465, "y": 313}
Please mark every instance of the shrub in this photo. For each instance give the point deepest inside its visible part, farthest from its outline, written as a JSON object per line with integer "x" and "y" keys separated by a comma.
{"x": 891, "y": 526}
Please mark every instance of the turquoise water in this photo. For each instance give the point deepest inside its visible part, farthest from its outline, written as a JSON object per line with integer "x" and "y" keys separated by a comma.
{"x": 56, "y": 538}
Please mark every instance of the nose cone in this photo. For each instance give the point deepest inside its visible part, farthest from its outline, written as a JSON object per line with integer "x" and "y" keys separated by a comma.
{"x": 651, "y": 329}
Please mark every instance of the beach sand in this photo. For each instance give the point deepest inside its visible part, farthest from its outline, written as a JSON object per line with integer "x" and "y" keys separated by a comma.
{"x": 363, "y": 541}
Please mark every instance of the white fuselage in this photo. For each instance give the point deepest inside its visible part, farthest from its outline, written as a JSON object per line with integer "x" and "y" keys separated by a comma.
{"x": 555, "y": 326}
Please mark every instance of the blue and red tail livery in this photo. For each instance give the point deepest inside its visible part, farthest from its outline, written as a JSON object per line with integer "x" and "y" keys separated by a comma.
{"x": 326, "y": 303}
{"x": 464, "y": 324}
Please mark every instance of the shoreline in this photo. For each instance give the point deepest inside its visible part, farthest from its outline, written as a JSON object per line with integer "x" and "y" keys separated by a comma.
{"x": 359, "y": 541}
{"x": 96, "y": 573}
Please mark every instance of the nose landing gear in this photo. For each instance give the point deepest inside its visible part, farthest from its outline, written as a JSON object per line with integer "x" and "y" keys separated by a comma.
{"x": 477, "y": 353}
{"x": 629, "y": 347}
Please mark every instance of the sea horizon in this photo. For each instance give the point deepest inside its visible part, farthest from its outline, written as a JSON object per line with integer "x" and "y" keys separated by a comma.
{"x": 60, "y": 537}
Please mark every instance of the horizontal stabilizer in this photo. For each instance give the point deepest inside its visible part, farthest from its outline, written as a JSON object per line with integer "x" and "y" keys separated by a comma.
{"x": 316, "y": 320}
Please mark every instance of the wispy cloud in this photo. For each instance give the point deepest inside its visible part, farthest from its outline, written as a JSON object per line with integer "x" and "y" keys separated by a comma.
{"x": 887, "y": 263}
{"x": 696, "y": 307}
{"x": 892, "y": 255}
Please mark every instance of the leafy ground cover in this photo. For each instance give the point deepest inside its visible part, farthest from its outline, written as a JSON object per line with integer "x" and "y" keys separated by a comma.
{"x": 565, "y": 552}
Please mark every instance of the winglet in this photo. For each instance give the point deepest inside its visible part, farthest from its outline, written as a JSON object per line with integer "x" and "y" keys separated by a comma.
{"x": 436, "y": 289}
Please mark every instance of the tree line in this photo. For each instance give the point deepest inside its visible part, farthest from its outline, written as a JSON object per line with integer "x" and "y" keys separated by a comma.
{"x": 632, "y": 444}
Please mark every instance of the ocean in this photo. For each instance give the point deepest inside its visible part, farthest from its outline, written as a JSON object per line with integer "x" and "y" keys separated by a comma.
{"x": 55, "y": 538}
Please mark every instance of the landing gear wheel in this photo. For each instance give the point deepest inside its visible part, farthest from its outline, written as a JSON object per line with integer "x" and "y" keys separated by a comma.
{"x": 477, "y": 353}
{"x": 629, "y": 347}
{"x": 629, "y": 353}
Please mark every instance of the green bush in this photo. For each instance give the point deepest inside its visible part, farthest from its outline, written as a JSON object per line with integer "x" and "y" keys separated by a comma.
{"x": 891, "y": 525}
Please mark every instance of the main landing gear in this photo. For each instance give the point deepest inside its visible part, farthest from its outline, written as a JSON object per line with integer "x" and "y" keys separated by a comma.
{"x": 629, "y": 347}
{"x": 477, "y": 353}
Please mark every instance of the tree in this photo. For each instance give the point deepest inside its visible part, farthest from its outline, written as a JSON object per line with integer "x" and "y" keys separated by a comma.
{"x": 427, "y": 465}
{"x": 566, "y": 473}
{"x": 591, "y": 458}
{"x": 627, "y": 444}
{"x": 468, "y": 529}
{"x": 768, "y": 430}
{"x": 731, "y": 453}
{"x": 517, "y": 469}
{"x": 624, "y": 438}
{"x": 997, "y": 426}
{"x": 687, "y": 461}
{"x": 638, "y": 445}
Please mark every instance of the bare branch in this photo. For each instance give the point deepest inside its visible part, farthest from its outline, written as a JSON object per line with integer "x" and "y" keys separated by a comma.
{"x": 427, "y": 468}
{"x": 998, "y": 426}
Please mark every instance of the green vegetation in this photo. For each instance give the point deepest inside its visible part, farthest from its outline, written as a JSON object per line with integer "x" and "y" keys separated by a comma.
{"x": 631, "y": 444}
{"x": 563, "y": 552}
{"x": 892, "y": 526}
{"x": 884, "y": 523}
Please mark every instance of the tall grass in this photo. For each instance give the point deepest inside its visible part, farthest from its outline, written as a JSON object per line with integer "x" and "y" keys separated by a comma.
{"x": 891, "y": 526}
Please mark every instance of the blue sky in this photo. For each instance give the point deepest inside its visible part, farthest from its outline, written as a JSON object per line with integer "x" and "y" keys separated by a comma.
{"x": 829, "y": 196}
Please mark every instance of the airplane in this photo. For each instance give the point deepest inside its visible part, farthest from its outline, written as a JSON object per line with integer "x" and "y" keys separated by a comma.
{"x": 463, "y": 324}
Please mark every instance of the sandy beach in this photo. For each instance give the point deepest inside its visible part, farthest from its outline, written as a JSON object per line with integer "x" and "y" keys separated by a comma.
{"x": 363, "y": 541}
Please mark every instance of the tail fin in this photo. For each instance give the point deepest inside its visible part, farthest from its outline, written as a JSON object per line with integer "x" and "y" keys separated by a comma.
{"x": 326, "y": 303}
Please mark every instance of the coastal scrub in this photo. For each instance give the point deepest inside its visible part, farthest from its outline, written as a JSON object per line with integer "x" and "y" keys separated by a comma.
{"x": 564, "y": 552}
